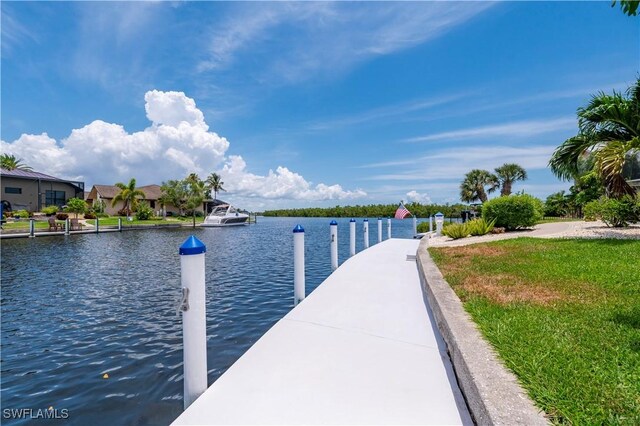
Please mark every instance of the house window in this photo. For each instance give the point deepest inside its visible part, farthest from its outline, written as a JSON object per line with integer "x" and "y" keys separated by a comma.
{"x": 10, "y": 190}
{"x": 55, "y": 198}
{"x": 152, "y": 204}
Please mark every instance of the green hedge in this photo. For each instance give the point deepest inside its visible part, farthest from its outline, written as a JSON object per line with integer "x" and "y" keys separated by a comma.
{"x": 513, "y": 211}
{"x": 614, "y": 212}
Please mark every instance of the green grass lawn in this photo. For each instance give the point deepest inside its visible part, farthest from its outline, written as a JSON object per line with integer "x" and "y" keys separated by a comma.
{"x": 113, "y": 221}
{"x": 564, "y": 315}
{"x": 43, "y": 225}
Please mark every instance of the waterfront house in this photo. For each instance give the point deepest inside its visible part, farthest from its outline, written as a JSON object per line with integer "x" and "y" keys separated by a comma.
{"x": 32, "y": 191}
{"x": 107, "y": 193}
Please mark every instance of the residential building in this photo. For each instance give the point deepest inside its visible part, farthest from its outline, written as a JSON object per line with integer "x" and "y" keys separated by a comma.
{"x": 106, "y": 194}
{"x": 32, "y": 191}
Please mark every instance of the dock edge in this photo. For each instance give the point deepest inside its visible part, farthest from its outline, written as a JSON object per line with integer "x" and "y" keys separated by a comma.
{"x": 492, "y": 393}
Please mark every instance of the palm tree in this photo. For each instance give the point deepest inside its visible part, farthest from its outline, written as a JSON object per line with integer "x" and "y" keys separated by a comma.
{"x": 609, "y": 130}
{"x": 175, "y": 192}
{"x": 196, "y": 190}
{"x": 10, "y": 162}
{"x": 128, "y": 195}
{"x": 214, "y": 183}
{"x": 472, "y": 187}
{"x": 508, "y": 174}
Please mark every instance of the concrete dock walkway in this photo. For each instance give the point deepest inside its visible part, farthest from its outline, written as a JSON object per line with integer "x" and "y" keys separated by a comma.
{"x": 361, "y": 349}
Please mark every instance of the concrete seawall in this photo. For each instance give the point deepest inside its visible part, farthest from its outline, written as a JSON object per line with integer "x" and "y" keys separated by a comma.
{"x": 492, "y": 392}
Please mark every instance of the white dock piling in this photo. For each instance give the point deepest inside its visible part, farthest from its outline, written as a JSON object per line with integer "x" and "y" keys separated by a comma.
{"x": 365, "y": 231}
{"x": 120, "y": 224}
{"x": 194, "y": 333}
{"x": 439, "y": 223}
{"x": 379, "y": 229}
{"x": 388, "y": 228}
{"x": 32, "y": 228}
{"x": 415, "y": 225}
{"x": 430, "y": 223}
{"x": 298, "y": 265}
{"x": 352, "y": 237}
{"x": 333, "y": 226}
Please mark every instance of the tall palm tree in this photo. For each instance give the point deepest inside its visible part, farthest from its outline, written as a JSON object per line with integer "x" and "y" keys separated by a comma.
{"x": 507, "y": 174}
{"x": 609, "y": 130}
{"x": 196, "y": 190}
{"x": 473, "y": 186}
{"x": 128, "y": 195}
{"x": 215, "y": 183}
{"x": 10, "y": 162}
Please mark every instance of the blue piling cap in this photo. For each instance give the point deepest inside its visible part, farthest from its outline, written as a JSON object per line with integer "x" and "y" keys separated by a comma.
{"x": 298, "y": 228}
{"x": 366, "y": 220}
{"x": 352, "y": 220}
{"x": 439, "y": 214}
{"x": 333, "y": 222}
{"x": 192, "y": 245}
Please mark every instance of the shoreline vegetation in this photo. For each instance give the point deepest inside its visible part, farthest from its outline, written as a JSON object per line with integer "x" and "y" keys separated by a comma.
{"x": 564, "y": 316}
{"x": 371, "y": 210}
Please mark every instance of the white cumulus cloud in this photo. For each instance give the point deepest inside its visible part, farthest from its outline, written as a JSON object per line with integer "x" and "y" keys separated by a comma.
{"x": 177, "y": 142}
{"x": 418, "y": 197}
{"x": 283, "y": 183}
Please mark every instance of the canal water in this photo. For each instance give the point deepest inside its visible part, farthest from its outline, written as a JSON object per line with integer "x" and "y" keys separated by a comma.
{"x": 78, "y": 307}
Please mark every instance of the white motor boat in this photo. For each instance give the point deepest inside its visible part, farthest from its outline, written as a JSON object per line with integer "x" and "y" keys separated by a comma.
{"x": 226, "y": 215}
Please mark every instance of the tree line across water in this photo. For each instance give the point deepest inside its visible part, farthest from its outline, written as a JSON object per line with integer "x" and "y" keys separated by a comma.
{"x": 372, "y": 210}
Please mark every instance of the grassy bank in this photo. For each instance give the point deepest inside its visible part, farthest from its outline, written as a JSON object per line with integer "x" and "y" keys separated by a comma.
{"x": 43, "y": 225}
{"x": 564, "y": 315}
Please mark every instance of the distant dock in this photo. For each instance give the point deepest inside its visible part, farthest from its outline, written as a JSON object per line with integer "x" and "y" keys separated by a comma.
{"x": 361, "y": 349}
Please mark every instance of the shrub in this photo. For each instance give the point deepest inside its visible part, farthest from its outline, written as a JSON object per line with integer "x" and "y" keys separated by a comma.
{"x": 22, "y": 214}
{"x": 456, "y": 230}
{"x": 50, "y": 210}
{"x": 423, "y": 227}
{"x": 89, "y": 216}
{"x": 62, "y": 216}
{"x": 76, "y": 205}
{"x": 614, "y": 212}
{"x": 122, "y": 212}
{"x": 477, "y": 227}
{"x": 513, "y": 211}
{"x": 189, "y": 213}
{"x": 144, "y": 212}
{"x": 102, "y": 215}
{"x": 99, "y": 206}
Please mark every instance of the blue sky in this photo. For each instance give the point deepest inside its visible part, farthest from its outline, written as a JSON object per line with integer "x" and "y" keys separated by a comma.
{"x": 305, "y": 104}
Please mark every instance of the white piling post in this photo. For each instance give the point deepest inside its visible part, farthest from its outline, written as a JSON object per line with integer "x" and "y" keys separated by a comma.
{"x": 120, "y": 224}
{"x": 194, "y": 333}
{"x": 379, "y": 229}
{"x": 365, "y": 230}
{"x": 430, "y": 223}
{"x": 298, "y": 265}
{"x": 388, "y": 228}
{"x": 439, "y": 223}
{"x": 352, "y": 237}
{"x": 415, "y": 225}
{"x": 66, "y": 226}
{"x": 333, "y": 226}
{"x": 97, "y": 226}
{"x": 32, "y": 228}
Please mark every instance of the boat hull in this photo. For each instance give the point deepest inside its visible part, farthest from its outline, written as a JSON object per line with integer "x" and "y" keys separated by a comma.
{"x": 235, "y": 221}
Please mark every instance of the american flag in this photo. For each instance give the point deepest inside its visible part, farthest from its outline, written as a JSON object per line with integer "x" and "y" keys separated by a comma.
{"x": 402, "y": 212}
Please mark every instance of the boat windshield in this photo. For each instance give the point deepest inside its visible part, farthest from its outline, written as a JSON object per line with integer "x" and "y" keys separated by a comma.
{"x": 223, "y": 210}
